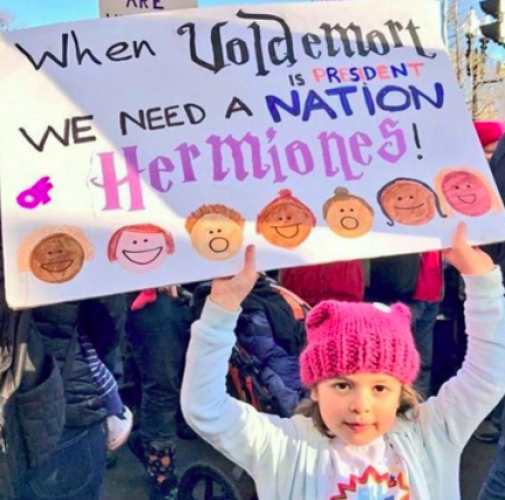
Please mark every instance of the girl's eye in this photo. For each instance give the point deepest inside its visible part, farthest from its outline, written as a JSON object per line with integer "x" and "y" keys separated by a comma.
{"x": 341, "y": 386}
{"x": 380, "y": 388}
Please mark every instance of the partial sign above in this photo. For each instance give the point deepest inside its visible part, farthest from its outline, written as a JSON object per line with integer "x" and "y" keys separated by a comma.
{"x": 114, "y": 8}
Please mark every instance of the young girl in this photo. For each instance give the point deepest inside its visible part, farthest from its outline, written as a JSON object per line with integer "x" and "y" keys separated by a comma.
{"x": 365, "y": 436}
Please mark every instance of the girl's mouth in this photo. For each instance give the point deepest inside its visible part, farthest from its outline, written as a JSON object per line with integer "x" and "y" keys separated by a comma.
{"x": 358, "y": 428}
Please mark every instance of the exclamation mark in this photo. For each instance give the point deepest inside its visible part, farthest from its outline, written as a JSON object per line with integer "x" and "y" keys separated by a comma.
{"x": 417, "y": 141}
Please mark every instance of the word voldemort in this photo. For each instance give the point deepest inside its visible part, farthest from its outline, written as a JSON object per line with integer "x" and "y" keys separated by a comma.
{"x": 331, "y": 41}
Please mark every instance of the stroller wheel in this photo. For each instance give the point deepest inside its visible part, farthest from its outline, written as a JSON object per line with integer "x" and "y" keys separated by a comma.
{"x": 204, "y": 482}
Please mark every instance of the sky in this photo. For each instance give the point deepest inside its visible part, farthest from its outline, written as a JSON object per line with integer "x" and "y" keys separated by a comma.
{"x": 31, "y": 13}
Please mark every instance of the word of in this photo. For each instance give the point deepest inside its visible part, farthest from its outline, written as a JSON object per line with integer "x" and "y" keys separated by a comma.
{"x": 280, "y": 50}
{"x": 117, "y": 52}
{"x": 236, "y": 159}
{"x": 160, "y": 118}
{"x": 72, "y": 126}
{"x": 38, "y": 194}
{"x": 391, "y": 98}
{"x": 366, "y": 73}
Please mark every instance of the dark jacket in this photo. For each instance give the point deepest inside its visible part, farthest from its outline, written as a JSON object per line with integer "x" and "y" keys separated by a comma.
{"x": 101, "y": 320}
{"x": 497, "y": 164}
{"x": 32, "y": 404}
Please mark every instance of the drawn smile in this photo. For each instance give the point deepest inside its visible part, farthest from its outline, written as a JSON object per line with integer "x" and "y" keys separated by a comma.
{"x": 287, "y": 232}
{"x": 219, "y": 245}
{"x": 349, "y": 223}
{"x": 58, "y": 266}
{"x": 409, "y": 208}
{"x": 143, "y": 257}
{"x": 467, "y": 199}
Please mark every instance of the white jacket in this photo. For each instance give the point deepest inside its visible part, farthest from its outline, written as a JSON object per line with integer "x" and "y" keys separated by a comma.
{"x": 290, "y": 460}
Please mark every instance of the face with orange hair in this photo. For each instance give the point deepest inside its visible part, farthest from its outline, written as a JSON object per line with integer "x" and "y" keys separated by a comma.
{"x": 216, "y": 231}
{"x": 140, "y": 248}
{"x": 286, "y": 222}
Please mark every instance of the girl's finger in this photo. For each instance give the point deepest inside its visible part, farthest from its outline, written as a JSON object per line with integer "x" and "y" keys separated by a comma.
{"x": 250, "y": 259}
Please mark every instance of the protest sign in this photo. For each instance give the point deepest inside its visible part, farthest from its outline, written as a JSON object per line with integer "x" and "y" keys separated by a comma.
{"x": 114, "y": 8}
{"x": 148, "y": 150}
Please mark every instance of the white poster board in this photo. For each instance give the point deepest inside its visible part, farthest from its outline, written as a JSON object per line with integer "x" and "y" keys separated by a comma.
{"x": 149, "y": 150}
{"x": 114, "y": 8}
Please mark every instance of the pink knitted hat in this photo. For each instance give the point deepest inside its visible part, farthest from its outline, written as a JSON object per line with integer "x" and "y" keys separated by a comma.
{"x": 346, "y": 338}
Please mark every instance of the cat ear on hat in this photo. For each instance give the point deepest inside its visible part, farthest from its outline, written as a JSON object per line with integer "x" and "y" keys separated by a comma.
{"x": 401, "y": 310}
{"x": 324, "y": 312}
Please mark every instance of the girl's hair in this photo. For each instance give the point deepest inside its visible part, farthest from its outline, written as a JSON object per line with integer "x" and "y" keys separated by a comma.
{"x": 408, "y": 409}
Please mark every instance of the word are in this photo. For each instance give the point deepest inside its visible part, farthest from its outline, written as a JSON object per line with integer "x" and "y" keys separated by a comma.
{"x": 71, "y": 50}
{"x": 145, "y": 4}
{"x": 367, "y": 73}
{"x": 254, "y": 157}
{"x": 391, "y": 98}
{"x": 331, "y": 41}
{"x": 38, "y": 194}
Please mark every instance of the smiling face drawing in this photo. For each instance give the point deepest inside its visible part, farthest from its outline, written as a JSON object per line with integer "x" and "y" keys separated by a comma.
{"x": 285, "y": 222}
{"x": 348, "y": 215}
{"x": 466, "y": 192}
{"x": 140, "y": 248}
{"x": 57, "y": 258}
{"x": 54, "y": 254}
{"x": 409, "y": 202}
{"x": 216, "y": 231}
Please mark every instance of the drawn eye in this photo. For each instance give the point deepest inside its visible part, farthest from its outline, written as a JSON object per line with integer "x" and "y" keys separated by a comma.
{"x": 411, "y": 197}
{"x": 468, "y": 186}
{"x": 211, "y": 232}
{"x": 342, "y": 210}
{"x": 219, "y": 230}
{"x": 456, "y": 187}
{"x": 134, "y": 242}
{"x": 400, "y": 198}
{"x": 352, "y": 209}
{"x": 289, "y": 218}
{"x": 145, "y": 240}
{"x": 49, "y": 253}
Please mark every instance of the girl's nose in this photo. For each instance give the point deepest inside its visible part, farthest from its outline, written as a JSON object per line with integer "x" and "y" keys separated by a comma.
{"x": 360, "y": 403}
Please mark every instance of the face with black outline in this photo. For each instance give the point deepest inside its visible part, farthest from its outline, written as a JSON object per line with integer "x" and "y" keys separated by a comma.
{"x": 409, "y": 202}
{"x": 57, "y": 258}
{"x": 141, "y": 252}
{"x": 350, "y": 217}
{"x": 216, "y": 237}
{"x": 287, "y": 225}
{"x": 466, "y": 193}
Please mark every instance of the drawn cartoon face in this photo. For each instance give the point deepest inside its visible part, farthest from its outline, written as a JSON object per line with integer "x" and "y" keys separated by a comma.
{"x": 141, "y": 252}
{"x": 349, "y": 216}
{"x": 466, "y": 193}
{"x": 408, "y": 202}
{"x": 286, "y": 225}
{"x": 216, "y": 237}
{"x": 57, "y": 258}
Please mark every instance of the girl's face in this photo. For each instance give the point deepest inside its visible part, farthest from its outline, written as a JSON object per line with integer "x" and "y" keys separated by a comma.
{"x": 358, "y": 408}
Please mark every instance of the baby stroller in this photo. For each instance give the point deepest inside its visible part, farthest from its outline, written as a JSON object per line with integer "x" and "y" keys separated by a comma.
{"x": 263, "y": 372}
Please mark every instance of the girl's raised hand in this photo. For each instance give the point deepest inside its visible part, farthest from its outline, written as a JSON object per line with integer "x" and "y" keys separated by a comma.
{"x": 465, "y": 258}
{"x": 229, "y": 293}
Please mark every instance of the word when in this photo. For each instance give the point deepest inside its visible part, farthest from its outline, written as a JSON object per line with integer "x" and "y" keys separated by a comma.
{"x": 391, "y": 98}
{"x": 160, "y": 118}
{"x": 281, "y": 50}
{"x": 366, "y": 73}
{"x": 38, "y": 194}
{"x": 117, "y": 52}
{"x": 251, "y": 156}
{"x": 73, "y": 133}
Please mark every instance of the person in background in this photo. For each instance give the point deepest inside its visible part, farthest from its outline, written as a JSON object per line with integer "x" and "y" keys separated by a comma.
{"x": 157, "y": 328}
{"x": 336, "y": 280}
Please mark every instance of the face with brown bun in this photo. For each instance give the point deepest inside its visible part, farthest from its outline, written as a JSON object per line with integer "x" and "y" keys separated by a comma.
{"x": 285, "y": 222}
{"x": 409, "y": 202}
{"x": 347, "y": 215}
{"x": 216, "y": 231}
{"x": 55, "y": 254}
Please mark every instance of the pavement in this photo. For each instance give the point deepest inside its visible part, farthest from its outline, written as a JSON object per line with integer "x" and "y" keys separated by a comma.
{"x": 127, "y": 480}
